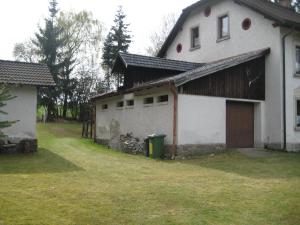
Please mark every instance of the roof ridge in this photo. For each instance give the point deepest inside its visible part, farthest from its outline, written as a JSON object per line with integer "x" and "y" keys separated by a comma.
{"x": 15, "y": 61}
{"x": 160, "y": 58}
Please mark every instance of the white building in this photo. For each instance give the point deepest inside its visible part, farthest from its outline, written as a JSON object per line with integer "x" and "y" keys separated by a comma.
{"x": 228, "y": 76}
{"x": 22, "y": 79}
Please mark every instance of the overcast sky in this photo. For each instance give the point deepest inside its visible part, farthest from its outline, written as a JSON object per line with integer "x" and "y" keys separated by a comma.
{"x": 19, "y": 18}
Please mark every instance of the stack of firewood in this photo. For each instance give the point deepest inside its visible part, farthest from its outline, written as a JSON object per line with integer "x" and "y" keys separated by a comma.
{"x": 130, "y": 144}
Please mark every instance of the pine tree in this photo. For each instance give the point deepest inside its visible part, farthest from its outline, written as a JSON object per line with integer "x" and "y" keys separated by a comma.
{"x": 48, "y": 41}
{"x": 53, "y": 8}
{"x": 108, "y": 59}
{"x": 121, "y": 36}
{"x": 4, "y": 97}
{"x": 117, "y": 40}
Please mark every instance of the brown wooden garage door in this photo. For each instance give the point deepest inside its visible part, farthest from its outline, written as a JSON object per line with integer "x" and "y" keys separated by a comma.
{"x": 239, "y": 125}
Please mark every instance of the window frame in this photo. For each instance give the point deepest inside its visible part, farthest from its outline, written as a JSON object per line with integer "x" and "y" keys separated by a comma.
{"x": 162, "y": 102}
{"x": 297, "y": 99}
{"x": 130, "y": 101}
{"x": 192, "y": 43}
{"x": 297, "y": 73}
{"x": 220, "y": 37}
{"x": 148, "y": 104}
{"x": 120, "y": 107}
{"x": 104, "y": 107}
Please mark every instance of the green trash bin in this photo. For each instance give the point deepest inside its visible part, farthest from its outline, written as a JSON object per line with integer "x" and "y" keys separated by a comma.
{"x": 156, "y": 146}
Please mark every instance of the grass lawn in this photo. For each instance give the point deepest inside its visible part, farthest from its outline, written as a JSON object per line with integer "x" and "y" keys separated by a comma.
{"x": 73, "y": 181}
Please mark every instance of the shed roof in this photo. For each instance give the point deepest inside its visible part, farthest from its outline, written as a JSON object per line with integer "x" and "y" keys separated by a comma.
{"x": 153, "y": 63}
{"x": 14, "y": 72}
{"x": 204, "y": 70}
{"x": 282, "y": 15}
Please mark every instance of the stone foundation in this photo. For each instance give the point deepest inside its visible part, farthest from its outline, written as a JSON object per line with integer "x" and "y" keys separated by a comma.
{"x": 273, "y": 146}
{"x": 24, "y": 146}
{"x": 181, "y": 150}
{"x": 184, "y": 151}
{"x": 293, "y": 147}
{"x": 102, "y": 141}
{"x": 196, "y": 150}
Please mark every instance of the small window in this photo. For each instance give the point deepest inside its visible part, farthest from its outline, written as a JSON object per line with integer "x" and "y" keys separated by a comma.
{"x": 130, "y": 102}
{"x": 207, "y": 11}
{"x": 223, "y": 28}
{"x": 148, "y": 100}
{"x": 120, "y": 104}
{"x": 163, "y": 98}
{"x": 195, "y": 40}
{"x": 104, "y": 106}
{"x": 298, "y": 113}
{"x": 179, "y": 48}
{"x": 298, "y": 60}
{"x": 246, "y": 24}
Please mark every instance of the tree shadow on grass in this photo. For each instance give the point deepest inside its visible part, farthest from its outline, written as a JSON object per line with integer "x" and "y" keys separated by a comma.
{"x": 44, "y": 161}
{"x": 278, "y": 166}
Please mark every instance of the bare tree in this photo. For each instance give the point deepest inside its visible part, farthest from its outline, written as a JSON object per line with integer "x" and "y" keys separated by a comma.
{"x": 158, "y": 37}
{"x": 25, "y": 52}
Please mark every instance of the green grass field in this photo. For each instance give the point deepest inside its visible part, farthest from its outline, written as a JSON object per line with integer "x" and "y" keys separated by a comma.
{"x": 74, "y": 181}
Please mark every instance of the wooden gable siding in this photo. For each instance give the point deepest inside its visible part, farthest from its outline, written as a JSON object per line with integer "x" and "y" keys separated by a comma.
{"x": 141, "y": 75}
{"x": 246, "y": 81}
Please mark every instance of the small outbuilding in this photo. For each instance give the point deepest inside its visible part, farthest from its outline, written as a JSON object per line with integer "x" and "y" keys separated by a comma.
{"x": 23, "y": 80}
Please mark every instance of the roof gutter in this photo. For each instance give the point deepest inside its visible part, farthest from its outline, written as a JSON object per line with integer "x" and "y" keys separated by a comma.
{"x": 283, "y": 39}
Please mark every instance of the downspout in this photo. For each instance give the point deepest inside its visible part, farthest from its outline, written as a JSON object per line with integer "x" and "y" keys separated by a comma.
{"x": 284, "y": 87}
{"x": 94, "y": 122}
{"x": 173, "y": 90}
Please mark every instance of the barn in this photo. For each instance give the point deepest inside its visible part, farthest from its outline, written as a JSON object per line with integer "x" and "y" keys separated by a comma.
{"x": 200, "y": 107}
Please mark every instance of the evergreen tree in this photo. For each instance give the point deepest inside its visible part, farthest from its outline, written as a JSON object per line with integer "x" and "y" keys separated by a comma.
{"x": 4, "y": 97}
{"x": 117, "y": 40}
{"x": 121, "y": 36}
{"x": 47, "y": 42}
{"x": 108, "y": 58}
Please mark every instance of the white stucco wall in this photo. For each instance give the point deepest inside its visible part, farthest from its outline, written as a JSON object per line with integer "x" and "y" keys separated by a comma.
{"x": 292, "y": 90}
{"x": 202, "y": 120}
{"x": 22, "y": 108}
{"x": 141, "y": 120}
{"x": 262, "y": 34}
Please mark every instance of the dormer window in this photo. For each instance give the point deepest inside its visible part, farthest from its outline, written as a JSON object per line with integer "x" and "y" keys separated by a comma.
{"x": 298, "y": 60}
{"x": 223, "y": 27}
{"x": 195, "y": 38}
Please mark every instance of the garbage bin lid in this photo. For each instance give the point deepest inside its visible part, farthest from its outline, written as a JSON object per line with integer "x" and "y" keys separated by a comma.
{"x": 156, "y": 135}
